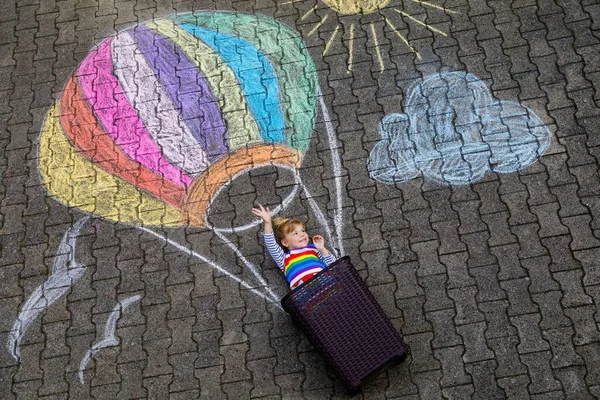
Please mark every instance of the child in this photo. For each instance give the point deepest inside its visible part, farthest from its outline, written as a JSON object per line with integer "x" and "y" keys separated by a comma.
{"x": 289, "y": 246}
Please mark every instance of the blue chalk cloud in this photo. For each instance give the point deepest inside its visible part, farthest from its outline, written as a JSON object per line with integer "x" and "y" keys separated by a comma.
{"x": 453, "y": 131}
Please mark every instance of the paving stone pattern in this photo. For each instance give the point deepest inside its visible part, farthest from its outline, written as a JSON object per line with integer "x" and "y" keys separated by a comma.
{"x": 495, "y": 285}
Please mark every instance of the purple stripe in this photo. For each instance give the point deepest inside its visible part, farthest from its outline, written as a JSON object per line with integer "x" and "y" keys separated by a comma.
{"x": 105, "y": 95}
{"x": 189, "y": 90}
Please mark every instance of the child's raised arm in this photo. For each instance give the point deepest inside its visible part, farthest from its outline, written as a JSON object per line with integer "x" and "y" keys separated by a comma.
{"x": 273, "y": 247}
{"x": 265, "y": 215}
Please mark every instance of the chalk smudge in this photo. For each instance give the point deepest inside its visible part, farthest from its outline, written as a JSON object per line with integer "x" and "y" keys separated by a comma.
{"x": 65, "y": 272}
{"x": 110, "y": 339}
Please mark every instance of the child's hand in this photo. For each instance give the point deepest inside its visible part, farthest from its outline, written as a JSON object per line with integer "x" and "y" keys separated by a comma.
{"x": 262, "y": 213}
{"x": 319, "y": 243}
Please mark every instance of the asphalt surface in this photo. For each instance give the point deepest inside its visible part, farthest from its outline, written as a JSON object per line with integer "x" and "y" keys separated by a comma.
{"x": 491, "y": 275}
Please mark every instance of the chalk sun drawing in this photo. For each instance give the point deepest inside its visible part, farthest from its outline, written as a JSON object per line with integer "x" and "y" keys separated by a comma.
{"x": 110, "y": 338}
{"x": 65, "y": 272}
{"x": 389, "y": 13}
{"x": 454, "y": 131}
{"x": 156, "y": 121}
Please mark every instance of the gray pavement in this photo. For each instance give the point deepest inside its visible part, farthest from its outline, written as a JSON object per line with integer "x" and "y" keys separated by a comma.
{"x": 453, "y": 155}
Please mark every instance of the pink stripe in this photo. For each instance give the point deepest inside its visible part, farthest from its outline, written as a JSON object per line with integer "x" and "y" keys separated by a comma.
{"x": 119, "y": 119}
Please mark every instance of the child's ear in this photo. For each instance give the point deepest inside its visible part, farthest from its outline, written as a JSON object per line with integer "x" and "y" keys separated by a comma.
{"x": 284, "y": 243}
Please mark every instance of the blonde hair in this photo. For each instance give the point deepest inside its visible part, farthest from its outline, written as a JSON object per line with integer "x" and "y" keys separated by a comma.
{"x": 282, "y": 226}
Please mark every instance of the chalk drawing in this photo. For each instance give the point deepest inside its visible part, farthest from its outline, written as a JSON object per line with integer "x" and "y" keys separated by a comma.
{"x": 337, "y": 171}
{"x": 65, "y": 272}
{"x": 110, "y": 339}
{"x": 251, "y": 267}
{"x": 271, "y": 296}
{"x": 384, "y": 14}
{"x": 453, "y": 131}
{"x": 349, "y": 7}
{"x": 212, "y": 264}
{"x": 157, "y": 119}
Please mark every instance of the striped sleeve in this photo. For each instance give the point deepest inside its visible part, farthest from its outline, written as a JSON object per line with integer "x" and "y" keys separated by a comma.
{"x": 327, "y": 259}
{"x": 274, "y": 249}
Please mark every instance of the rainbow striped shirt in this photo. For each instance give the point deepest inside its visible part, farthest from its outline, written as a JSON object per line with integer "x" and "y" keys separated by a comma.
{"x": 298, "y": 265}
{"x": 302, "y": 264}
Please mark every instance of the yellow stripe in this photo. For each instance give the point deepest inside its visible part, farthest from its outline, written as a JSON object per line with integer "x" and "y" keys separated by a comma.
{"x": 401, "y": 36}
{"x": 381, "y": 66}
{"x": 312, "y": 10}
{"x": 241, "y": 126}
{"x": 313, "y": 30}
{"x": 350, "y": 48}
{"x": 333, "y": 35}
{"x": 73, "y": 180}
{"x": 424, "y": 3}
{"x": 421, "y": 22}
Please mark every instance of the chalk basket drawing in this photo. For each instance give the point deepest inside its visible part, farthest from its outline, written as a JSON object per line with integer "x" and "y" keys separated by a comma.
{"x": 453, "y": 131}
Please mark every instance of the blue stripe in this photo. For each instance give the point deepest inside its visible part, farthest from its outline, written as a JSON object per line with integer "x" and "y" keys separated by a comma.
{"x": 256, "y": 76}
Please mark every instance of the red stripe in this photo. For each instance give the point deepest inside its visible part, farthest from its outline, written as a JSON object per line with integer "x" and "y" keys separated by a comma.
{"x": 90, "y": 138}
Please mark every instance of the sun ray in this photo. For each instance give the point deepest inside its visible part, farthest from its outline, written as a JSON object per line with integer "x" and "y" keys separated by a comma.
{"x": 333, "y": 35}
{"x": 420, "y": 22}
{"x": 425, "y": 3}
{"x": 289, "y": 2}
{"x": 318, "y": 25}
{"x": 350, "y": 48}
{"x": 379, "y": 57}
{"x": 354, "y": 9}
{"x": 312, "y": 10}
{"x": 403, "y": 38}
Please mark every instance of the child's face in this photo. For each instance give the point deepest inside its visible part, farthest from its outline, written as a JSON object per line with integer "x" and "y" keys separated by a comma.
{"x": 296, "y": 239}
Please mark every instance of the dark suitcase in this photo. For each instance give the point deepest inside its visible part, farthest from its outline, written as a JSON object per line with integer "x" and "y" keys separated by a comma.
{"x": 344, "y": 322}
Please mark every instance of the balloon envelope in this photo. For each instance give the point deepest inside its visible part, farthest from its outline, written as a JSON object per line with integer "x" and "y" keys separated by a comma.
{"x": 157, "y": 119}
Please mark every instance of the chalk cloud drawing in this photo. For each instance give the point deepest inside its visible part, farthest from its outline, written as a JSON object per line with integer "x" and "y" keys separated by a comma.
{"x": 393, "y": 15}
{"x": 156, "y": 121}
{"x": 65, "y": 272}
{"x": 453, "y": 131}
{"x": 110, "y": 339}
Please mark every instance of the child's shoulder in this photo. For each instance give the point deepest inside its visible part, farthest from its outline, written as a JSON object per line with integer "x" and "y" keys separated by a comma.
{"x": 309, "y": 246}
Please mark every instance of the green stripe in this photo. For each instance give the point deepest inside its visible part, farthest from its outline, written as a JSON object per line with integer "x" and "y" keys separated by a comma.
{"x": 294, "y": 67}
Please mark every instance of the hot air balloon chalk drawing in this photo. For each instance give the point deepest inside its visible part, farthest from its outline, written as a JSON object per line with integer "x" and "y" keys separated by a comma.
{"x": 158, "y": 120}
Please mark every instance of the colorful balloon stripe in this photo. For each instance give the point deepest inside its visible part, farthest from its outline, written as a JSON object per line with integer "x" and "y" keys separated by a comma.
{"x": 86, "y": 133}
{"x": 188, "y": 89}
{"x": 77, "y": 182}
{"x": 242, "y": 128}
{"x": 119, "y": 119}
{"x": 167, "y": 128}
{"x": 293, "y": 65}
{"x": 208, "y": 184}
{"x": 256, "y": 76}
